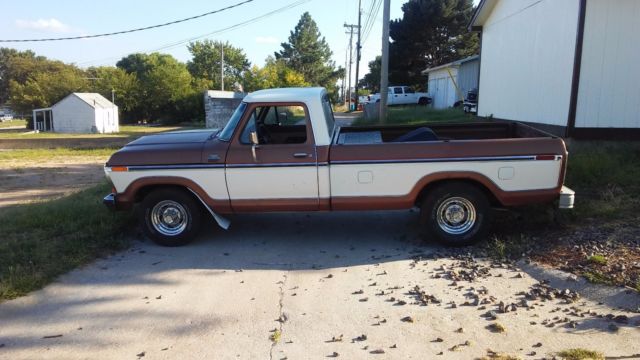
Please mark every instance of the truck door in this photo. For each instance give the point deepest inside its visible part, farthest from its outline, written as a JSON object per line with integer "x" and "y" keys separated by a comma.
{"x": 271, "y": 163}
{"x": 398, "y": 96}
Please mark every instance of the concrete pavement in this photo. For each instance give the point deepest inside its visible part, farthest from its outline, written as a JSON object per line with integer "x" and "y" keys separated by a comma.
{"x": 309, "y": 286}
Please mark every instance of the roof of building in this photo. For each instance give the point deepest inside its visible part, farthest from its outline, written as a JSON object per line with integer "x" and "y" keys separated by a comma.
{"x": 301, "y": 94}
{"x": 451, "y": 64}
{"x": 482, "y": 14}
{"x": 94, "y": 100}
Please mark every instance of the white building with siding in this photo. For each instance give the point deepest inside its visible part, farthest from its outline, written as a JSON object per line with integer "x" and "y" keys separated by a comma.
{"x": 567, "y": 66}
{"x": 449, "y": 83}
{"x": 78, "y": 113}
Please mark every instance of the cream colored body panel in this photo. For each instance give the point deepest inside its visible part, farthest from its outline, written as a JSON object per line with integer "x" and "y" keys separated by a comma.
{"x": 280, "y": 182}
{"x": 211, "y": 180}
{"x": 397, "y": 179}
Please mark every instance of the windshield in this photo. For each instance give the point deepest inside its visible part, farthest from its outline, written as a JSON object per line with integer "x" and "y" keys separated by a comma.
{"x": 227, "y": 132}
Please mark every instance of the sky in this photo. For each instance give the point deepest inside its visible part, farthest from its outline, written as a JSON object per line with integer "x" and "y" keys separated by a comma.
{"x": 259, "y": 38}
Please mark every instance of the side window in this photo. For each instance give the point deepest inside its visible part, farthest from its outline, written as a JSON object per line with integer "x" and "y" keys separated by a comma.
{"x": 397, "y": 90}
{"x": 409, "y": 90}
{"x": 276, "y": 125}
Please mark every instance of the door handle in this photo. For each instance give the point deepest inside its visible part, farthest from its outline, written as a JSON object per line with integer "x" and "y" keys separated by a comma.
{"x": 213, "y": 158}
{"x": 300, "y": 155}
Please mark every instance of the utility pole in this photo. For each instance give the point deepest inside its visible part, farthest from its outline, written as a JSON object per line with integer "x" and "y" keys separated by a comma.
{"x": 222, "y": 66}
{"x": 384, "y": 73}
{"x": 350, "y": 32}
{"x": 344, "y": 76}
{"x": 358, "y": 47}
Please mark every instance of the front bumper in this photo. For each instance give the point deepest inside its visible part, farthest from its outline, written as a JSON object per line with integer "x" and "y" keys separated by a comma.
{"x": 110, "y": 201}
{"x": 567, "y": 197}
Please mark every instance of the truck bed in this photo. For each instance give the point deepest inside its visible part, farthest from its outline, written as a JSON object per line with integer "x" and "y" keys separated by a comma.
{"x": 352, "y": 135}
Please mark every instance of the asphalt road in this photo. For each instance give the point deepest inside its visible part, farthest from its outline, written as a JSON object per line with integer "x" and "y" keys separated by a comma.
{"x": 301, "y": 286}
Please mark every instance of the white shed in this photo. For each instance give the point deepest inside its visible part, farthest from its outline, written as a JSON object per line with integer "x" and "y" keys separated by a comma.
{"x": 78, "y": 113}
{"x": 449, "y": 83}
{"x": 567, "y": 66}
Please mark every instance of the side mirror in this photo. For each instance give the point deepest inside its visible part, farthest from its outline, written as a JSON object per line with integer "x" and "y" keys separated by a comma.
{"x": 254, "y": 138}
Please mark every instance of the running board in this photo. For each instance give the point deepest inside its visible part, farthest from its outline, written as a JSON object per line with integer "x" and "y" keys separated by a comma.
{"x": 222, "y": 221}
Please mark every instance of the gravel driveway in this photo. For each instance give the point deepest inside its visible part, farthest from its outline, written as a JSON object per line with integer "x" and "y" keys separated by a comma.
{"x": 297, "y": 286}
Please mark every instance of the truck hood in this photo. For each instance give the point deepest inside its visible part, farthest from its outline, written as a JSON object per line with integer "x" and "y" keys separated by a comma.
{"x": 170, "y": 148}
{"x": 176, "y": 137}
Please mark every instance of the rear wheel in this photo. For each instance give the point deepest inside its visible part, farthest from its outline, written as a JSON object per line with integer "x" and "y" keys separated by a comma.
{"x": 170, "y": 217}
{"x": 423, "y": 101}
{"x": 456, "y": 214}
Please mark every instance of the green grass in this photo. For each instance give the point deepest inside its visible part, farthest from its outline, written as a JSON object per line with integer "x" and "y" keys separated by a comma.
{"x": 13, "y": 123}
{"x": 580, "y": 354}
{"x": 596, "y": 277}
{"x": 126, "y": 131}
{"x": 606, "y": 177}
{"x": 52, "y": 154}
{"x": 597, "y": 259}
{"x": 40, "y": 241}
{"x": 411, "y": 115}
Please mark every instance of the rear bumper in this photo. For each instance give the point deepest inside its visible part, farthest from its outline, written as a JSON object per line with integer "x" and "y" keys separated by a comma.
{"x": 110, "y": 201}
{"x": 567, "y": 197}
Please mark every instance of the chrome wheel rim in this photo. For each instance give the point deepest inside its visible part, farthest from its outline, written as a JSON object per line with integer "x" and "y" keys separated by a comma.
{"x": 456, "y": 215}
{"x": 169, "y": 218}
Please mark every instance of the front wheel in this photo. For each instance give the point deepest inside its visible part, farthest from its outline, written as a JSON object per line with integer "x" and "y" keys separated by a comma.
{"x": 170, "y": 217}
{"x": 456, "y": 214}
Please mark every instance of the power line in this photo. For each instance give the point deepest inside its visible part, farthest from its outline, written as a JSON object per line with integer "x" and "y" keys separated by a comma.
{"x": 367, "y": 30}
{"x": 132, "y": 30}
{"x": 219, "y": 31}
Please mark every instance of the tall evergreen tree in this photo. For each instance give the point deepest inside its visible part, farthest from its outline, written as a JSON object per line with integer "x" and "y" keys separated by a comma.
{"x": 308, "y": 53}
{"x": 430, "y": 33}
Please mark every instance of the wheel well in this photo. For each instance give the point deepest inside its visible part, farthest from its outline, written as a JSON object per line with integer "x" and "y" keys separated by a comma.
{"x": 432, "y": 185}
{"x": 146, "y": 190}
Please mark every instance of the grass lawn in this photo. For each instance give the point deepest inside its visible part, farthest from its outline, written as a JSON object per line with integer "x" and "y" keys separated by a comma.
{"x": 410, "y": 115}
{"x": 30, "y": 155}
{"x": 40, "y": 241}
{"x": 126, "y": 131}
{"x": 13, "y": 123}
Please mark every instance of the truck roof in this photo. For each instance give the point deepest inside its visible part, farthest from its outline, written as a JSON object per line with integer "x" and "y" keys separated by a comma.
{"x": 306, "y": 95}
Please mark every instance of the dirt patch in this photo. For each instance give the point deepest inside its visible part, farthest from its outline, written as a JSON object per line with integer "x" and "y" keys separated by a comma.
{"x": 36, "y": 181}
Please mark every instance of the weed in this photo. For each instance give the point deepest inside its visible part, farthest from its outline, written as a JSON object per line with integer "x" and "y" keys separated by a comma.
{"x": 497, "y": 328}
{"x": 596, "y": 277}
{"x": 275, "y": 336}
{"x": 580, "y": 354}
{"x": 597, "y": 259}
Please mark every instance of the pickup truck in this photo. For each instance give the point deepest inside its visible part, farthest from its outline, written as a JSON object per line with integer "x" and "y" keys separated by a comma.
{"x": 282, "y": 151}
{"x": 402, "y": 95}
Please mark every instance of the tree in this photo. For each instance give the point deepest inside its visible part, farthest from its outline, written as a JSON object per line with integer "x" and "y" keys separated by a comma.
{"x": 275, "y": 74}
{"x": 205, "y": 62}
{"x": 45, "y": 88}
{"x": 371, "y": 81}
{"x": 308, "y": 53}
{"x": 125, "y": 86}
{"x": 163, "y": 83}
{"x": 430, "y": 33}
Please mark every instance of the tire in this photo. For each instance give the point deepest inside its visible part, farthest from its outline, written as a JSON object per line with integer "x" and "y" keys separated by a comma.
{"x": 423, "y": 101}
{"x": 161, "y": 207}
{"x": 455, "y": 214}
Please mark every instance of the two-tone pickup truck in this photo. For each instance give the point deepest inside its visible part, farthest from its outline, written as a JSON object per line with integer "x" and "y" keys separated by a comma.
{"x": 282, "y": 151}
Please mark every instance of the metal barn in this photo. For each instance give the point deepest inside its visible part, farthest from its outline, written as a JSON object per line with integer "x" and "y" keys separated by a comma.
{"x": 567, "y": 66}
{"x": 78, "y": 113}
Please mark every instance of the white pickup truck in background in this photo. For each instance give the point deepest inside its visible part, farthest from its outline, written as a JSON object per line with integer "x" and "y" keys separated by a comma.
{"x": 403, "y": 95}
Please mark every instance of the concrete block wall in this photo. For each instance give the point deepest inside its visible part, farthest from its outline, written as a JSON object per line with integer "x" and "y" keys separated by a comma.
{"x": 219, "y": 106}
